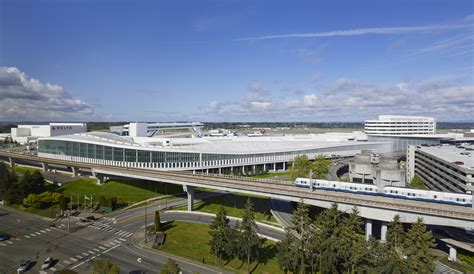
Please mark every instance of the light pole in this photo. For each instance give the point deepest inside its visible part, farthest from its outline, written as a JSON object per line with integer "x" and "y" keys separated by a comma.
{"x": 146, "y": 235}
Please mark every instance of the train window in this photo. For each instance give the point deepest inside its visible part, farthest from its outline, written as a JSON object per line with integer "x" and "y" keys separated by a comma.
{"x": 435, "y": 196}
{"x": 334, "y": 185}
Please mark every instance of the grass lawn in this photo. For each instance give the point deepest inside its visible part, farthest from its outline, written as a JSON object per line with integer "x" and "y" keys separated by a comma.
{"x": 23, "y": 169}
{"x": 271, "y": 175}
{"x": 45, "y": 212}
{"x": 191, "y": 240}
{"x": 127, "y": 192}
{"x": 234, "y": 206}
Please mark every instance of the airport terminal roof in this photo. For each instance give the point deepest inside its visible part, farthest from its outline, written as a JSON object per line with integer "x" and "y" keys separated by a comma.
{"x": 224, "y": 145}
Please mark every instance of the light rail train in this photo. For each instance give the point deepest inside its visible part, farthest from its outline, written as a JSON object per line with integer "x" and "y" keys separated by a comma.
{"x": 388, "y": 191}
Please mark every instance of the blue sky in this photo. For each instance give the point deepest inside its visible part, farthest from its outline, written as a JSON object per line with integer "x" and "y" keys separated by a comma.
{"x": 235, "y": 60}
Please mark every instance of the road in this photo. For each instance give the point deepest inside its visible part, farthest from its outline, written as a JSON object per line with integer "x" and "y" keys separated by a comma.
{"x": 109, "y": 237}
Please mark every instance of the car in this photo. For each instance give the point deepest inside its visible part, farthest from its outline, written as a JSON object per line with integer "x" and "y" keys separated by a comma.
{"x": 24, "y": 265}
{"x": 47, "y": 263}
{"x": 4, "y": 237}
{"x": 91, "y": 218}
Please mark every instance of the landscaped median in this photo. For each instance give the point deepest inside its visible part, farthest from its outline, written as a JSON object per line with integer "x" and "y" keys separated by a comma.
{"x": 191, "y": 240}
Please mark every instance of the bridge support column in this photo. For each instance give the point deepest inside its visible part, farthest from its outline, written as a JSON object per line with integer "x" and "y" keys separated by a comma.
{"x": 368, "y": 228}
{"x": 274, "y": 167}
{"x": 220, "y": 171}
{"x": 383, "y": 232}
{"x": 74, "y": 171}
{"x": 190, "y": 191}
{"x": 44, "y": 166}
{"x": 243, "y": 170}
{"x": 12, "y": 162}
{"x": 253, "y": 169}
{"x": 284, "y": 166}
{"x": 453, "y": 254}
{"x": 231, "y": 170}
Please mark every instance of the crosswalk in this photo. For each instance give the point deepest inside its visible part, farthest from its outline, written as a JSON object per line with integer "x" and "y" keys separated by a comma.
{"x": 109, "y": 228}
{"x": 31, "y": 235}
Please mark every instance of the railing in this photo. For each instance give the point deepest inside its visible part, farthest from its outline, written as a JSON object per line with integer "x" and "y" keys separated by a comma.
{"x": 264, "y": 186}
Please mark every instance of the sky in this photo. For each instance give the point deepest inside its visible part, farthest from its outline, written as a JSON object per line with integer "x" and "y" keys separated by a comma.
{"x": 235, "y": 61}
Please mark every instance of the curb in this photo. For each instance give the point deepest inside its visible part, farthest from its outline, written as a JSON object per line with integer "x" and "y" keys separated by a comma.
{"x": 230, "y": 217}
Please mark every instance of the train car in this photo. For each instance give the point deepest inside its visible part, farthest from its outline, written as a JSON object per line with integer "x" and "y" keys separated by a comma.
{"x": 338, "y": 186}
{"x": 428, "y": 195}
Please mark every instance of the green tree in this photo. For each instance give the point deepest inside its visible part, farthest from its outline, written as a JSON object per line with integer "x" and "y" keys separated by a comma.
{"x": 301, "y": 228}
{"x": 32, "y": 200}
{"x": 250, "y": 243}
{"x": 352, "y": 246}
{"x": 232, "y": 248}
{"x": 157, "y": 221}
{"x": 320, "y": 167}
{"x": 9, "y": 188}
{"x": 417, "y": 182}
{"x": 287, "y": 253}
{"x": 300, "y": 167}
{"x": 394, "y": 261}
{"x": 170, "y": 267}
{"x": 105, "y": 266}
{"x": 37, "y": 182}
{"x": 418, "y": 244}
{"x": 219, "y": 230}
{"x": 328, "y": 229}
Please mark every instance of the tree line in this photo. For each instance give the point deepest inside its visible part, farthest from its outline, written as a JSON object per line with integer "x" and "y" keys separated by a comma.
{"x": 335, "y": 243}
{"x": 302, "y": 167}
{"x": 239, "y": 242}
{"x": 14, "y": 189}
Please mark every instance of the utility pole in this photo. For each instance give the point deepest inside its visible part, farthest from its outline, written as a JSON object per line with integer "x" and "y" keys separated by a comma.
{"x": 68, "y": 221}
{"x": 146, "y": 235}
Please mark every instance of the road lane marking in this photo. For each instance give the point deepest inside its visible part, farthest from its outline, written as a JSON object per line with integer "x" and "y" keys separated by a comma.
{"x": 77, "y": 265}
{"x": 118, "y": 232}
{"x": 53, "y": 269}
{"x": 117, "y": 241}
{"x": 9, "y": 242}
{"x": 2, "y": 244}
{"x": 73, "y": 259}
{"x": 37, "y": 233}
{"x": 123, "y": 240}
{"x": 96, "y": 250}
{"x": 129, "y": 234}
{"x": 101, "y": 247}
{"x": 85, "y": 254}
{"x": 91, "y": 252}
{"x": 107, "y": 245}
{"x": 33, "y": 235}
{"x": 66, "y": 262}
{"x": 28, "y": 237}
{"x": 48, "y": 229}
{"x": 79, "y": 257}
{"x": 42, "y": 231}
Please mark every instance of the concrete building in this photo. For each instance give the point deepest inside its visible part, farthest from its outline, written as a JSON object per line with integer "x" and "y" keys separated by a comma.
{"x": 24, "y": 134}
{"x": 393, "y": 125}
{"x": 220, "y": 155}
{"x": 155, "y": 129}
{"x": 370, "y": 168}
{"x": 447, "y": 168}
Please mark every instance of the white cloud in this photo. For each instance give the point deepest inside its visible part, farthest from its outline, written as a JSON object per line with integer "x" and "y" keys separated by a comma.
{"x": 26, "y": 99}
{"x": 351, "y": 100}
{"x": 363, "y": 31}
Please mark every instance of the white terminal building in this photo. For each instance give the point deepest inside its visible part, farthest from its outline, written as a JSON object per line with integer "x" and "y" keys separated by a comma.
{"x": 24, "y": 134}
{"x": 228, "y": 155}
{"x": 442, "y": 167}
{"x": 390, "y": 125}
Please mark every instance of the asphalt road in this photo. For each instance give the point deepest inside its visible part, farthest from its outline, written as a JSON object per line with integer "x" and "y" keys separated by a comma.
{"x": 109, "y": 237}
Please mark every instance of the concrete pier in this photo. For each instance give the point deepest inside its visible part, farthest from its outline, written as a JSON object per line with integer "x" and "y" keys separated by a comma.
{"x": 190, "y": 191}
{"x": 368, "y": 228}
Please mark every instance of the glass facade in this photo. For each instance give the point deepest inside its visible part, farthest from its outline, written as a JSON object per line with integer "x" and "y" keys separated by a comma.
{"x": 179, "y": 159}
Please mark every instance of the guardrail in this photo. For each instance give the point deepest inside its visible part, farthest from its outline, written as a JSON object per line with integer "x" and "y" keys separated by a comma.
{"x": 248, "y": 184}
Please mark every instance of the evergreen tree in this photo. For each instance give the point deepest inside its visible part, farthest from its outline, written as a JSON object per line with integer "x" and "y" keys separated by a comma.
{"x": 287, "y": 254}
{"x": 250, "y": 243}
{"x": 219, "y": 231}
{"x": 301, "y": 227}
{"x": 37, "y": 182}
{"x": 171, "y": 267}
{"x": 375, "y": 258}
{"x": 394, "y": 261}
{"x": 9, "y": 188}
{"x": 157, "y": 221}
{"x": 328, "y": 230}
{"x": 418, "y": 244}
{"x": 232, "y": 248}
{"x": 352, "y": 247}
{"x": 102, "y": 266}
